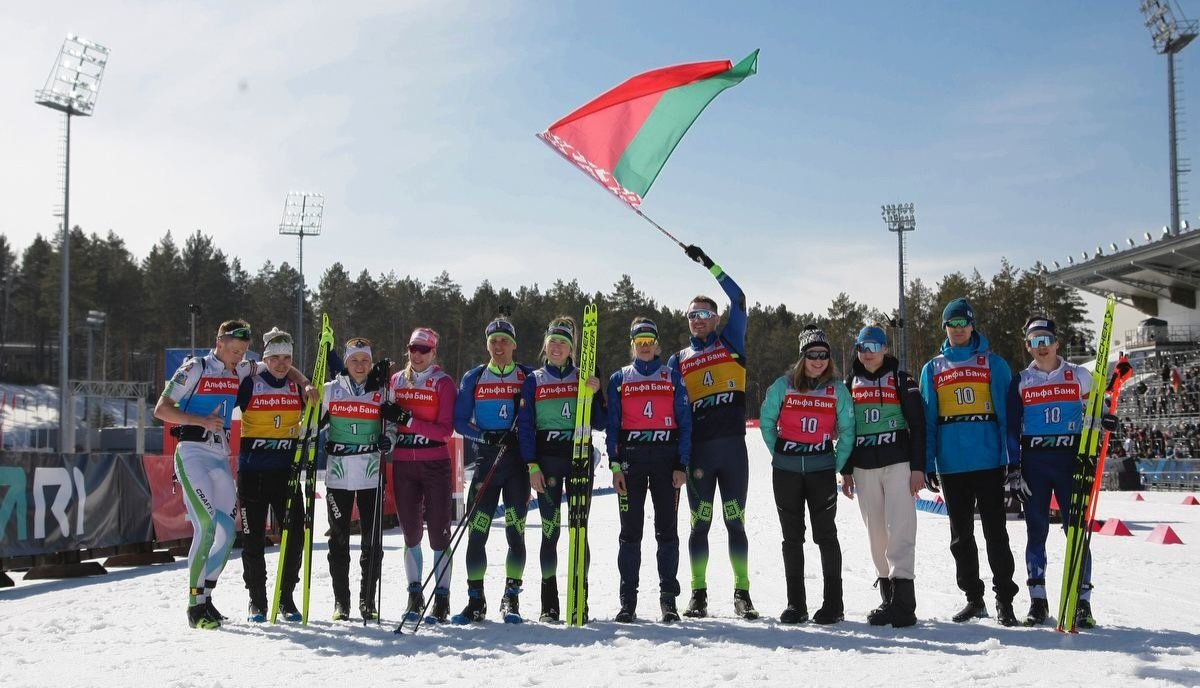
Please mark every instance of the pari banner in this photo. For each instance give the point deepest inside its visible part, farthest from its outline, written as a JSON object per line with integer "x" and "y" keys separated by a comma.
{"x": 56, "y": 503}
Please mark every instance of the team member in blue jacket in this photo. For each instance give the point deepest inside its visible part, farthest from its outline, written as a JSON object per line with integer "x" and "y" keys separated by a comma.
{"x": 965, "y": 390}
{"x": 713, "y": 367}
{"x": 807, "y": 420}
{"x": 649, "y": 445}
{"x": 485, "y": 413}
{"x": 1045, "y": 416}
{"x": 546, "y": 430}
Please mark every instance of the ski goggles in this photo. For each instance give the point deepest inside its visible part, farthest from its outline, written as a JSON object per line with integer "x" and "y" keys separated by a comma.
{"x": 242, "y": 333}
{"x": 1038, "y": 340}
{"x": 817, "y": 355}
{"x": 419, "y": 349}
{"x": 868, "y": 347}
{"x": 701, "y": 314}
{"x": 957, "y": 322}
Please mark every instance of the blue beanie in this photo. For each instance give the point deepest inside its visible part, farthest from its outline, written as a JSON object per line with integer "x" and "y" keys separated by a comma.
{"x": 503, "y": 327}
{"x": 870, "y": 333}
{"x": 958, "y": 308}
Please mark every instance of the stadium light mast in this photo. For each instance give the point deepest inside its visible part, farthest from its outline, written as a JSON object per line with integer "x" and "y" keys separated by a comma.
{"x": 901, "y": 218}
{"x": 71, "y": 88}
{"x": 302, "y": 213}
{"x": 1170, "y": 36}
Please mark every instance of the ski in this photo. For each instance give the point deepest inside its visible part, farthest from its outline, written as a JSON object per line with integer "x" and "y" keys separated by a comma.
{"x": 305, "y": 458}
{"x": 1085, "y": 477}
{"x": 579, "y": 485}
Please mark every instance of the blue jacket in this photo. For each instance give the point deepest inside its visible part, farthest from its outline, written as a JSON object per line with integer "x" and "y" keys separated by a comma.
{"x": 960, "y": 447}
{"x": 683, "y": 411}
{"x": 471, "y": 420}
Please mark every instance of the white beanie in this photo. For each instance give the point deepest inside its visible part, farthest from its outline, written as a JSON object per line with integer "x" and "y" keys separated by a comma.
{"x": 281, "y": 346}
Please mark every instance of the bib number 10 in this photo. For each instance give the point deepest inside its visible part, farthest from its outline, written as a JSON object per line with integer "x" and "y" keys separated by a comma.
{"x": 964, "y": 396}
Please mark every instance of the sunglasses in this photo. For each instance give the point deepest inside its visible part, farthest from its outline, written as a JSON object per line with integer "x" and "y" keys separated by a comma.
{"x": 701, "y": 314}
{"x": 419, "y": 349}
{"x": 242, "y": 333}
{"x": 1041, "y": 340}
{"x": 869, "y": 347}
{"x": 645, "y": 339}
{"x": 957, "y": 322}
{"x": 817, "y": 355}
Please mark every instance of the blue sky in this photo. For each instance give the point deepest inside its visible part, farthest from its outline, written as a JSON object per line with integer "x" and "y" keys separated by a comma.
{"x": 1022, "y": 129}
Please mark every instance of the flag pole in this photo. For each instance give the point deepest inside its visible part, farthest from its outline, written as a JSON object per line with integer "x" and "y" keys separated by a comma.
{"x": 616, "y": 195}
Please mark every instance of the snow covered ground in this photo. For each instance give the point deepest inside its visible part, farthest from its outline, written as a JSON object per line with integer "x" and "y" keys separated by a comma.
{"x": 128, "y": 628}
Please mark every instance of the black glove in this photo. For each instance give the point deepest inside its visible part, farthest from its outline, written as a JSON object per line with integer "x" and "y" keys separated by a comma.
{"x": 697, "y": 254}
{"x": 395, "y": 414}
{"x": 384, "y": 443}
{"x": 380, "y": 373}
{"x": 499, "y": 438}
{"x": 1014, "y": 481}
{"x": 328, "y": 447}
{"x": 1109, "y": 422}
{"x": 932, "y": 483}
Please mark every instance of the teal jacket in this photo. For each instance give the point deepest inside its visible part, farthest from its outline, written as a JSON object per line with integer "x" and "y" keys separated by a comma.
{"x": 843, "y": 445}
{"x": 961, "y": 447}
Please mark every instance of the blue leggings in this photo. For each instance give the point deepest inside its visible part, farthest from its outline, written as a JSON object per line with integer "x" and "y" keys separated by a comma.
{"x": 1047, "y": 473}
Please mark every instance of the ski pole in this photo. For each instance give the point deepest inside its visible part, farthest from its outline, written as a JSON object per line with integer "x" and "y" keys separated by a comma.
{"x": 377, "y": 543}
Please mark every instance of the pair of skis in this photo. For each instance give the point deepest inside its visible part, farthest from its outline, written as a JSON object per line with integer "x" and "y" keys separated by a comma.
{"x": 305, "y": 459}
{"x": 579, "y": 492}
{"x": 1089, "y": 472}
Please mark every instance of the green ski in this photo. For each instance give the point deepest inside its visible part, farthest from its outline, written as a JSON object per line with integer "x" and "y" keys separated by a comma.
{"x": 305, "y": 459}
{"x": 1085, "y": 475}
{"x": 579, "y": 486}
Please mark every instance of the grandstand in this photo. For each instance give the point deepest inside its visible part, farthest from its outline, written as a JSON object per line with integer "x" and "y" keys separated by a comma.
{"x": 1160, "y": 408}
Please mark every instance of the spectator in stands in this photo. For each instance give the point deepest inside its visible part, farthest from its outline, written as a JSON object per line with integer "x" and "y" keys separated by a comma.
{"x": 964, "y": 389}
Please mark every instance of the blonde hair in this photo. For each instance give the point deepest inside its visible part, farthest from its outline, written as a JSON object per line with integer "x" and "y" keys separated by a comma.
{"x": 559, "y": 320}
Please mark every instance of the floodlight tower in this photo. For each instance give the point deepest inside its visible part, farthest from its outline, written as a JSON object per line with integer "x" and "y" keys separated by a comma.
{"x": 901, "y": 218}
{"x": 71, "y": 88}
{"x": 302, "y": 213}
{"x": 1170, "y": 36}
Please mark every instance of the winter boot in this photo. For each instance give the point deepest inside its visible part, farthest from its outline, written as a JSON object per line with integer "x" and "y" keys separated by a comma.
{"x": 882, "y": 615}
{"x": 257, "y": 612}
{"x": 670, "y": 613}
{"x": 904, "y": 603}
{"x": 198, "y": 617}
{"x": 476, "y": 608}
{"x": 416, "y": 602}
{"x": 510, "y": 604}
{"x": 550, "y": 613}
{"x": 287, "y": 607}
{"x": 628, "y": 610}
{"x": 974, "y": 609}
{"x": 1039, "y": 609}
{"x": 1005, "y": 614}
{"x": 742, "y": 606}
{"x": 441, "y": 607}
{"x": 793, "y": 615}
{"x": 341, "y": 609}
{"x": 697, "y": 606}
{"x": 1083, "y": 615}
{"x": 832, "y": 610}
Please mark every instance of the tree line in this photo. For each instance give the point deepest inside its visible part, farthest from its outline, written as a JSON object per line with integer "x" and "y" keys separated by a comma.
{"x": 147, "y": 305}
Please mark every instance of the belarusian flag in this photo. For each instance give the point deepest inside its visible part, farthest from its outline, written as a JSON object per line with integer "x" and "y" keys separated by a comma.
{"x": 624, "y": 137}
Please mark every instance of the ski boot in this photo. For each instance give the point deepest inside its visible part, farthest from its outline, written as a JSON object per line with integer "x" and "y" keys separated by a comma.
{"x": 882, "y": 615}
{"x": 1005, "y": 615}
{"x": 257, "y": 611}
{"x": 793, "y": 615}
{"x": 287, "y": 607}
{"x": 550, "y": 613}
{"x": 341, "y": 609}
{"x": 974, "y": 609}
{"x": 1083, "y": 615}
{"x": 510, "y": 604}
{"x": 212, "y": 611}
{"x": 367, "y": 610}
{"x": 440, "y": 612}
{"x": 198, "y": 617}
{"x": 476, "y": 609}
{"x": 1039, "y": 609}
{"x": 742, "y": 606}
{"x": 698, "y": 606}
{"x": 416, "y": 602}
{"x": 628, "y": 610}
{"x": 666, "y": 604}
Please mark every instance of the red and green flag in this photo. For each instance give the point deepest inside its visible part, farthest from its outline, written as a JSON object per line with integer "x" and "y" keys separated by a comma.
{"x": 624, "y": 137}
